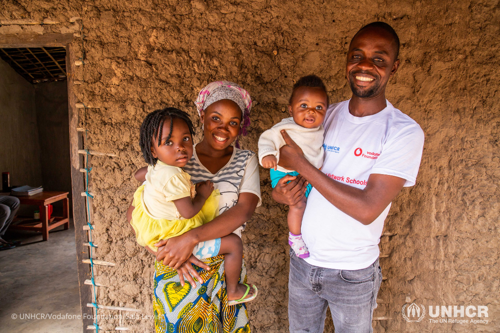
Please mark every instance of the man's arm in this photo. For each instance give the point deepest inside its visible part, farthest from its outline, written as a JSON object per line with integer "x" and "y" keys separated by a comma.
{"x": 364, "y": 205}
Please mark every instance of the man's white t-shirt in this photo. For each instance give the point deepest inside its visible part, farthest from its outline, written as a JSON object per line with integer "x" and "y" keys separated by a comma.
{"x": 388, "y": 142}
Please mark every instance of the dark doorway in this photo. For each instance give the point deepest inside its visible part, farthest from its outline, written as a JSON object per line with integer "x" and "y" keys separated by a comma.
{"x": 34, "y": 131}
{"x": 38, "y": 277}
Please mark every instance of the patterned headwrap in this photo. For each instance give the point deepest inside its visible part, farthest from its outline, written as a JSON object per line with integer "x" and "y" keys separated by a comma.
{"x": 220, "y": 90}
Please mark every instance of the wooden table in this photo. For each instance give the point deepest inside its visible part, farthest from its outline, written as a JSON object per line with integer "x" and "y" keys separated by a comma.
{"x": 44, "y": 225}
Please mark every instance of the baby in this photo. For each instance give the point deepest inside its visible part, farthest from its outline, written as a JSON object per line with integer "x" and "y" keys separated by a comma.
{"x": 307, "y": 108}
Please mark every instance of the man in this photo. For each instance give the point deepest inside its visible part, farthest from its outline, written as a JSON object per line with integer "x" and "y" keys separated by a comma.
{"x": 372, "y": 151}
{"x": 8, "y": 209}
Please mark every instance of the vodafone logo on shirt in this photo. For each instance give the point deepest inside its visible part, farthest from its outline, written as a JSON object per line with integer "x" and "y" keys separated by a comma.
{"x": 370, "y": 155}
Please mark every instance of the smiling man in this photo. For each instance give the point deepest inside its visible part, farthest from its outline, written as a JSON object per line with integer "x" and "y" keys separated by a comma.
{"x": 372, "y": 151}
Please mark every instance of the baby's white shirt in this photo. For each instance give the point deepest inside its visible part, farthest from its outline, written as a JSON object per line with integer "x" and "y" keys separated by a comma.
{"x": 310, "y": 140}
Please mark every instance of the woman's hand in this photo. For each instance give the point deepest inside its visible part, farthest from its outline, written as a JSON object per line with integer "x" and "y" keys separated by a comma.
{"x": 175, "y": 251}
{"x": 187, "y": 272}
{"x": 290, "y": 190}
{"x": 290, "y": 154}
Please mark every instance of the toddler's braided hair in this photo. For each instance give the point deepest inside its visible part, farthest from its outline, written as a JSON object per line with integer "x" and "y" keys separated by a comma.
{"x": 152, "y": 127}
{"x": 311, "y": 81}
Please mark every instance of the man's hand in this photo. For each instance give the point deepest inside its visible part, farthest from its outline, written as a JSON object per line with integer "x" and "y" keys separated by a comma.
{"x": 291, "y": 154}
{"x": 205, "y": 188}
{"x": 187, "y": 272}
{"x": 290, "y": 190}
{"x": 270, "y": 162}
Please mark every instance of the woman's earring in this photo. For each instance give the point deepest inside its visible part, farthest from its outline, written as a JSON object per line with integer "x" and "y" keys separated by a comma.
{"x": 202, "y": 127}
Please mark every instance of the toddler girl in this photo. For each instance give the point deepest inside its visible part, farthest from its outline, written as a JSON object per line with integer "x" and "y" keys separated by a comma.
{"x": 307, "y": 108}
{"x": 169, "y": 205}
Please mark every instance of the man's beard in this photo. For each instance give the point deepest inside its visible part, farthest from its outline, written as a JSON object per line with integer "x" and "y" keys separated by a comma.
{"x": 364, "y": 93}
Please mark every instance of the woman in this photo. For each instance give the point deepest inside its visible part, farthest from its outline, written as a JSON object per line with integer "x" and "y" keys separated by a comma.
{"x": 224, "y": 110}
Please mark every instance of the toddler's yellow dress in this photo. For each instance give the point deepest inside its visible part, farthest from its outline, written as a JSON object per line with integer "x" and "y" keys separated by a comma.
{"x": 155, "y": 216}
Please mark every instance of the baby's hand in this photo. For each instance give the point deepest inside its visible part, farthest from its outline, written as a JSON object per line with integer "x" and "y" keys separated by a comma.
{"x": 205, "y": 188}
{"x": 270, "y": 162}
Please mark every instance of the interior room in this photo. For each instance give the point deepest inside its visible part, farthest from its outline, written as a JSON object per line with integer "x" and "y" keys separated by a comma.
{"x": 34, "y": 151}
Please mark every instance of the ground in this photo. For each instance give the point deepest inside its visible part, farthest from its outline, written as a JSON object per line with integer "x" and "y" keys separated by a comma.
{"x": 39, "y": 279}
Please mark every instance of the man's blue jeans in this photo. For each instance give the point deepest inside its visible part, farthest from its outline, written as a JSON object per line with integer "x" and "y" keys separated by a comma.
{"x": 350, "y": 294}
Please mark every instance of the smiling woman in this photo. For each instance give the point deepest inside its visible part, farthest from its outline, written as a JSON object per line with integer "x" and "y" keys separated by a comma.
{"x": 204, "y": 305}
{"x": 218, "y": 113}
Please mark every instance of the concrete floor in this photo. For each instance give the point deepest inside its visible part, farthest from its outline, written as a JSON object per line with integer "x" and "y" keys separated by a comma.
{"x": 40, "y": 278}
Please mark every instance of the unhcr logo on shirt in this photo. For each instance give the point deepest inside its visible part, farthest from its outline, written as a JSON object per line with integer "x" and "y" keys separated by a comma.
{"x": 332, "y": 149}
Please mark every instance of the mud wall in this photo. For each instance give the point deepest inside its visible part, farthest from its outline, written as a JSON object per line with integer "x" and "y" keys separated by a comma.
{"x": 443, "y": 248}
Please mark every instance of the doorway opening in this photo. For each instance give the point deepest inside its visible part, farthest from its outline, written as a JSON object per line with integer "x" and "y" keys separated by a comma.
{"x": 35, "y": 151}
{"x": 35, "y": 129}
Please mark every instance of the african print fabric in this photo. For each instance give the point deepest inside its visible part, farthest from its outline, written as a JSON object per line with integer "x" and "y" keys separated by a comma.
{"x": 202, "y": 309}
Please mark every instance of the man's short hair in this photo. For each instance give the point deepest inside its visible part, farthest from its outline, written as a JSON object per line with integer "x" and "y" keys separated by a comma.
{"x": 386, "y": 27}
